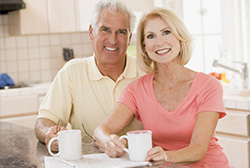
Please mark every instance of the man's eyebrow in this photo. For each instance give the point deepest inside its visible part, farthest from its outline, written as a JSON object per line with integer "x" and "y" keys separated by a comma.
{"x": 104, "y": 27}
{"x": 110, "y": 28}
{"x": 123, "y": 30}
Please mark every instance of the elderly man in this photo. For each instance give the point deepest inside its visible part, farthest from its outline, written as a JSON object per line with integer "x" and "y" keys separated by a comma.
{"x": 85, "y": 90}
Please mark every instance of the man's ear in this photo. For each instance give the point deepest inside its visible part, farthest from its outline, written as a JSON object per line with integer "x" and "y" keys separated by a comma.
{"x": 91, "y": 32}
{"x": 129, "y": 39}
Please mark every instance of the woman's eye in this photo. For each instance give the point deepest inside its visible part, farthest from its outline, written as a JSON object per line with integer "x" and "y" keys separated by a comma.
{"x": 166, "y": 32}
{"x": 150, "y": 36}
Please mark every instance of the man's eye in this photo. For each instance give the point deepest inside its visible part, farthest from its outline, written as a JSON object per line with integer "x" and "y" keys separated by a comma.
{"x": 166, "y": 32}
{"x": 105, "y": 29}
{"x": 123, "y": 32}
{"x": 150, "y": 36}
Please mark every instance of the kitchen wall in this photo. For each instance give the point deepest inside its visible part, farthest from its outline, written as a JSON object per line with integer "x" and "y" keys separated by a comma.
{"x": 248, "y": 30}
{"x": 37, "y": 57}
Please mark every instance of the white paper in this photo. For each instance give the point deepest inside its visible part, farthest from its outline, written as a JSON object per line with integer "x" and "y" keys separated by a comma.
{"x": 100, "y": 160}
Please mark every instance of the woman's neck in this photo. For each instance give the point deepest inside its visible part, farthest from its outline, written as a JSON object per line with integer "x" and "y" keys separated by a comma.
{"x": 173, "y": 73}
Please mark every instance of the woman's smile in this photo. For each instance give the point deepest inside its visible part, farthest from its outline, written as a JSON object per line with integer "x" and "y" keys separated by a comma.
{"x": 161, "y": 44}
{"x": 163, "y": 51}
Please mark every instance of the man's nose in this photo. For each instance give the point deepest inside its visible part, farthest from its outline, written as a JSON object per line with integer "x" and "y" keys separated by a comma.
{"x": 113, "y": 38}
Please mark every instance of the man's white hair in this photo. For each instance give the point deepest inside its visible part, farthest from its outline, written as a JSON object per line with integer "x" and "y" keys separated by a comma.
{"x": 114, "y": 5}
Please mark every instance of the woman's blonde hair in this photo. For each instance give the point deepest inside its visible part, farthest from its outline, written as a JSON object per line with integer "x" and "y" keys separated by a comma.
{"x": 177, "y": 28}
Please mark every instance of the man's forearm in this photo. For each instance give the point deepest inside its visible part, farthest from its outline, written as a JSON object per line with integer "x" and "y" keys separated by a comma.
{"x": 41, "y": 128}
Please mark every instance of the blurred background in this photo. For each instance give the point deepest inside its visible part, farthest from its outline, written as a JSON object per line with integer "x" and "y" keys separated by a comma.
{"x": 32, "y": 39}
{"x": 39, "y": 36}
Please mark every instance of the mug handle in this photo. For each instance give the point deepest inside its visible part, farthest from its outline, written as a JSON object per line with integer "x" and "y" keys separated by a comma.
{"x": 49, "y": 146}
{"x": 126, "y": 137}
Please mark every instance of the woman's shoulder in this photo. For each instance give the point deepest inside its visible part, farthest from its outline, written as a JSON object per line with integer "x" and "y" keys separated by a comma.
{"x": 207, "y": 81}
{"x": 205, "y": 77}
{"x": 143, "y": 80}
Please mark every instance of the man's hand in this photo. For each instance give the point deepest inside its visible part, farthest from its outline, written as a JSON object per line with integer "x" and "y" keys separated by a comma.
{"x": 46, "y": 129}
{"x": 52, "y": 132}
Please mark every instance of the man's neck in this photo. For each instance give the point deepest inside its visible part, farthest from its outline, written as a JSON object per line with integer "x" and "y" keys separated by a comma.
{"x": 113, "y": 71}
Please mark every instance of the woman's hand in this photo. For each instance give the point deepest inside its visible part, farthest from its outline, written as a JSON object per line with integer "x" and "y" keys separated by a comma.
{"x": 156, "y": 153}
{"x": 113, "y": 146}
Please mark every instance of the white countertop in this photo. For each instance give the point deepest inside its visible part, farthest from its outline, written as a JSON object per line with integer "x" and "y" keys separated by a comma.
{"x": 237, "y": 102}
{"x": 230, "y": 101}
{"x": 236, "y": 98}
{"x": 38, "y": 89}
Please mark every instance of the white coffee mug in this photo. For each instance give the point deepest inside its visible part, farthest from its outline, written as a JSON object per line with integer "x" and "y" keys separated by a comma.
{"x": 69, "y": 143}
{"x": 139, "y": 143}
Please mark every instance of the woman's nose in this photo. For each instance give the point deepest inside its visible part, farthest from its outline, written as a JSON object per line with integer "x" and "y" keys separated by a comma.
{"x": 159, "y": 41}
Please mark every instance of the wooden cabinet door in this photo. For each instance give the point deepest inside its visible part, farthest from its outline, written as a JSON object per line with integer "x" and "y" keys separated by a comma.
{"x": 61, "y": 16}
{"x": 237, "y": 150}
{"x": 84, "y": 9}
{"x": 31, "y": 20}
{"x": 140, "y": 5}
{"x": 235, "y": 122}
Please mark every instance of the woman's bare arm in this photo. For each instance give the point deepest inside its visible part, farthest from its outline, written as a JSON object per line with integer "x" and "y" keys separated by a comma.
{"x": 105, "y": 133}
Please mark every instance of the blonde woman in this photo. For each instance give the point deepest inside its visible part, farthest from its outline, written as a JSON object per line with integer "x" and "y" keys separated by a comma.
{"x": 180, "y": 106}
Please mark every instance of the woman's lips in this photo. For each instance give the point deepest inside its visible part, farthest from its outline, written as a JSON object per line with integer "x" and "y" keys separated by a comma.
{"x": 163, "y": 51}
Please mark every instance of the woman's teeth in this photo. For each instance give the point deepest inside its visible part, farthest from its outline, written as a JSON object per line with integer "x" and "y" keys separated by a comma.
{"x": 162, "y": 51}
{"x": 111, "y": 49}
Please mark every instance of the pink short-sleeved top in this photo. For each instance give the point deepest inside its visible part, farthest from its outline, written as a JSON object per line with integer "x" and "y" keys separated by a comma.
{"x": 173, "y": 130}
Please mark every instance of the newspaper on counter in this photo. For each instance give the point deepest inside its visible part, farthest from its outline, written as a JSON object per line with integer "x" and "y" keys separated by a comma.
{"x": 100, "y": 160}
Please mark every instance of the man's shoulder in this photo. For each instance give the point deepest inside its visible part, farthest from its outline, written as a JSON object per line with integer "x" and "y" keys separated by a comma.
{"x": 76, "y": 63}
{"x": 80, "y": 60}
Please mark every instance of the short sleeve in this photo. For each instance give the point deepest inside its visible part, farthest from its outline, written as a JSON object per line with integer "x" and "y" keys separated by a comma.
{"x": 128, "y": 98}
{"x": 57, "y": 103}
{"x": 210, "y": 97}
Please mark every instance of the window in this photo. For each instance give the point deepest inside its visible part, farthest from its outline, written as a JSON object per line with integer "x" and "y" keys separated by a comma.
{"x": 219, "y": 32}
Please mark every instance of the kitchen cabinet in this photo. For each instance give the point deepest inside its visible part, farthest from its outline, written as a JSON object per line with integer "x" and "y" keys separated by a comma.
{"x": 140, "y": 5}
{"x": 32, "y": 20}
{"x": 20, "y": 106}
{"x": 44, "y": 16}
{"x": 233, "y": 132}
{"x": 236, "y": 149}
{"x": 83, "y": 13}
{"x": 58, "y": 16}
{"x": 21, "y": 110}
{"x": 61, "y": 16}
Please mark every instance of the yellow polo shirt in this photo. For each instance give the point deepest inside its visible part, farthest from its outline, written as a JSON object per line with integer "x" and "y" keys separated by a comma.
{"x": 81, "y": 94}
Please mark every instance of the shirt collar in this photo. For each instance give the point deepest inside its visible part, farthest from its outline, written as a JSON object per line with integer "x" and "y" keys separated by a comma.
{"x": 130, "y": 70}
